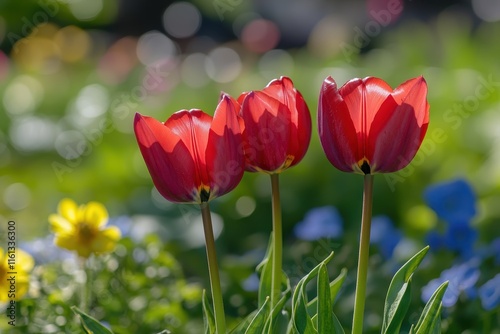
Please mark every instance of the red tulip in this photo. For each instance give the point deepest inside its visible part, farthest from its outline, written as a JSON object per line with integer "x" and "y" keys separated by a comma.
{"x": 277, "y": 127}
{"x": 193, "y": 157}
{"x": 366, "y": 127}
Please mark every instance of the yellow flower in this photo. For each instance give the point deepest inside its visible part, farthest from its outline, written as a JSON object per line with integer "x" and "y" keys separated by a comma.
{"x": 81, "y": 228}
{"x": 14, "y": 286}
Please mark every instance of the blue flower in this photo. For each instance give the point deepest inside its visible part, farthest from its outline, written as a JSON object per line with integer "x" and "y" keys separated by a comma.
{"x": 461, "y": 237}
{"x": 450, "y": 296}
{"x": 452, "y": 201}
{"x": 384, "y": 235}
{"x": 124, "y": 224}
{"x": 462, "y": 278}
{"x": 322, "y": 222}
{"x": 43, "y": 250}
{"x": 435, "y": 240}
{"x": 251, "y": 283}
{"x": 489, "y": 293}
{"x": 494, "y": 250}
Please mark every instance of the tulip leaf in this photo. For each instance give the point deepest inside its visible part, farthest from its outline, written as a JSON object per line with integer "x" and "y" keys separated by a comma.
{"x": 258, "y": 323}
{"x": 301, "y": 318}
{"x": 265, "y": 274}
{"x": 325, "y": 308}
{"x": 89, "y": 324}
{"x": 208, "y": 315}
{"x": 243, "y": 325}
{"x": 399, "y": 294}
{"x": 430, "y": 319}
{"x": 335, "y": 286}
{"x": 337, "y": 326}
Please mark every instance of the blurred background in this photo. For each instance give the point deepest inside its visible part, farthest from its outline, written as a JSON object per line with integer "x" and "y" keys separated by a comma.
{"x": 74, "y": 72}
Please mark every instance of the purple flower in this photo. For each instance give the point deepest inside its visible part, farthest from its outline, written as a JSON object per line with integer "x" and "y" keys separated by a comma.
{"x": 489, "y": 293}
{"x": 452, "y": 201}
{"x": 384, "y": 235}
{"x": 322, "y": 222}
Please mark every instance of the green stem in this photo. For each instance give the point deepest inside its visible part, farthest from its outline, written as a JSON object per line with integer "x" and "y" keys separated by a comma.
{"x": 364, "y": 247}
{"x": 213, "y": 270}
{"x": 84, "y": 289}
{"x": 277, "y": 242}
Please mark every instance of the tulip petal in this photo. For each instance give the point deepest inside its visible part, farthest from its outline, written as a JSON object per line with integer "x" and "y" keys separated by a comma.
{"x": 266, "y": 134}
{"x": 399, "y": 136}
{"x": 364, "y": 98}
{"x": 224, "y": 154}
{"x": 192, "y": 127}
{"x": 337, "y": 131}
{"x": 168, "y": 159}
{"x": 300, "y": 131}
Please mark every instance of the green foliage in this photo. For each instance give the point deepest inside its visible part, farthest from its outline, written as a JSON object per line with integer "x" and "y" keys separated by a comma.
{"x": 399, "y": 294}
{"x": 89, "y": 324}
{"x": 430, "y": 320}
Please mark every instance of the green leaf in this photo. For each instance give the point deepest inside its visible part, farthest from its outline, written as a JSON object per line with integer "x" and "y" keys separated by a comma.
{"x": 259, "y": 321}
{"x": 208, "y": 315}
{"x": 301, "y": 319}
{"x": 325, "y": 309}
{"x": 265, "y": 274}
{"x": 430, "y": 319}
{"x": 335, "y": 286}
{"x": 89, "y": 324}
{"x": 398, "y": 297}
{"x": 243, "y": 325}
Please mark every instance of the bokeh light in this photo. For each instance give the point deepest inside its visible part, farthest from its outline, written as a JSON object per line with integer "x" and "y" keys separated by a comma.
{"x": 118, "y": 61}
{"x": 23, "y": 95}
{"x": 193, "y": 71}
{"x": 245, "y": 206}
{"x": 17, "y": 196}
{"x": 260, "y": 35}
{"x": 92, "y": 101}
{"x": 487, "y": 10}
{"x": 154, "y": 46}
{"x": 73, "y": 43}
{"x": 181, "y": 20}
{"x": 223, "y": 64}
{"x": 85, "y": 10}
{"x": 70, "y": 144}
{"x": 276, "y": 63}
{"x": 32, "y": 133}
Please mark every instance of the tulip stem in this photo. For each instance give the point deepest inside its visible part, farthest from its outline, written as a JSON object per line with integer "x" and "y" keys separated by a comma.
{"x": 364, "y": 248}
{"x": 277, "y": 242}
{"x": 213, "y": 270}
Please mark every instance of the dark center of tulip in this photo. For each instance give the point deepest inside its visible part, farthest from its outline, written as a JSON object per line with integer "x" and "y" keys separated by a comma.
{"x": 204, "y": 195}
{"x": 365, "y": 167}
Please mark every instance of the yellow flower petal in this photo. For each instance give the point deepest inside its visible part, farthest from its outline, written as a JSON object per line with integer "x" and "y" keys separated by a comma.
{"x": 71, "y": 242}
{"x": 106, "y": 240}
{"x": 66, "y": 241}
{"x": 68, "y": 209}
{"x": 59, "y": 224}
{"x": 24, "y": 261}
{"x": 95, "y": 214}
